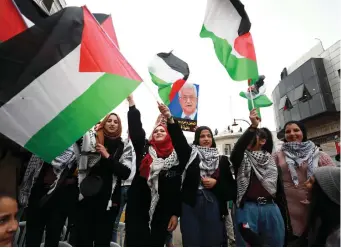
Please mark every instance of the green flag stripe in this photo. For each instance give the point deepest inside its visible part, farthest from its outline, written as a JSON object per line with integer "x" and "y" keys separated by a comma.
{"x": 68, "y": 126}
{"x": 164, "y": 88}
{"x": 239, "y": 69}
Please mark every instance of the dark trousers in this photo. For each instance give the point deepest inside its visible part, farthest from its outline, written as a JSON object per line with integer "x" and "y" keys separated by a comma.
{"x": 138, "y": 233}
{"x": 202, "y": 225}
{"x": 94, "y": 224}
{"x": 50, "y": 216}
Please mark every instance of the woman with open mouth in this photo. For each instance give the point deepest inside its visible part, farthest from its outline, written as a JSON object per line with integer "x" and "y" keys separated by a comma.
{"x": 154, "y": 200}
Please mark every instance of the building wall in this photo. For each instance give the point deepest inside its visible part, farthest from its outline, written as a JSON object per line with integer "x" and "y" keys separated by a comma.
{"x": 331, "y": 60}
{"x": 326, "y": 82}
{"x": 232, "y": 138}
{"x": 56, "y": 5}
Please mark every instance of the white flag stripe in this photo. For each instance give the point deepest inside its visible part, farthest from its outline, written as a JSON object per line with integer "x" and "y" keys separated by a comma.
{"x": 223, "y": 20}
{"x": 27, "y": 21}
{"x": 160, "y": 69}
{"x": 41, "y": 101}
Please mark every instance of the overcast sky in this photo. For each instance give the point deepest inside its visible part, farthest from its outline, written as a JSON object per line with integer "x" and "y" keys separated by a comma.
{"x": 282, "y": 31}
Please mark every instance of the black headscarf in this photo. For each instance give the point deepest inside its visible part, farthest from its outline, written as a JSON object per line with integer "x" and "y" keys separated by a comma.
{"x": 197, "y": 136}
{"x": 301, "y": 126}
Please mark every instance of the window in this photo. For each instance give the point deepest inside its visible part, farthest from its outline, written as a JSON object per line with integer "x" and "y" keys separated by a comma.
{"x": 338, "y": 71}
{"x": 285, "y": 103}
{"x": 227, "y": 149}
{"x": 301, "y": 93}
{"x": 306, "y": 95}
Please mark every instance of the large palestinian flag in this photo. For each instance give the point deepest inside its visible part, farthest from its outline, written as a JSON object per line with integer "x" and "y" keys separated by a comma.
{"x": 15, "y": 17}
{"x": 169, "y": 73}
{"x": 57, "y": 79}
{"x": 106, "y": 23}
{"x": 227, "y": 24}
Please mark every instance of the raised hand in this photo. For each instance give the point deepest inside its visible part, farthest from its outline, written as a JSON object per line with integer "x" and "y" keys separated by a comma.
{"x": 164, "y": 110}
{"x": 130, "y": 100}
{"x": 254, "y": 118}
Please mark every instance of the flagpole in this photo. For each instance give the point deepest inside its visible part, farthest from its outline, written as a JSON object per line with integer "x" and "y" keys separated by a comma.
{"x": 252, "y": 103}
{"x": 151, "y": 92}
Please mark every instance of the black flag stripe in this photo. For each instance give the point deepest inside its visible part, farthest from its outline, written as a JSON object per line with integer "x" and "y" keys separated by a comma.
{"x": 29, "y": 54}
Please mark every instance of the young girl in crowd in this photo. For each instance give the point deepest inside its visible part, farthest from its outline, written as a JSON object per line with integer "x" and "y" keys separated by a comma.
{"x": 261, "y": 200}
{"x": 8, "y": 221}
{"x": 154, "y": 200}
{"x": 105, "y": 160}
{"x": 298, "y": 158}
{"x": 207, "y": 185}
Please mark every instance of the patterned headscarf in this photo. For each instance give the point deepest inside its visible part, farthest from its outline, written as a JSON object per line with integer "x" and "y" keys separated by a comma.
{"x": 296, "y": 153}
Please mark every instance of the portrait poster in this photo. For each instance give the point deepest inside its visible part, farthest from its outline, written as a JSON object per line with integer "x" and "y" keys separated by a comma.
{"x": 184, "y": 106}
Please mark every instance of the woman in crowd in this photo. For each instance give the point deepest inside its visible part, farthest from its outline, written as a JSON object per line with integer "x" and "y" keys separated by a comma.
{"x": 49, "y": 191}
{"x": 298, "y": 158}
{"x": 260, "y": 195}
{"x": 104, "y": 162}
{"x": 8, "y": 221}
{"x": 323, "y": 226}
{"x": 124, "y": 192}
{"x": 207, "y": 186}
{"x": 154, "y": 198}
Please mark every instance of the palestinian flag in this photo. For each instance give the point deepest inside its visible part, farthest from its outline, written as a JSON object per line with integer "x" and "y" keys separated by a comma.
{"x": 106, "y": 23}
{"x": 227, "y": 24}
{"x": 57, "y": 79}
{"x": 12, "y": 18}
{"x": 169, "y": 73}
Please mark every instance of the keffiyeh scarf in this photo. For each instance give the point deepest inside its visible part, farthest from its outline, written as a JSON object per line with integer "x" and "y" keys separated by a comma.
{"x": 296, "y": 153}
{"x": 66, "y": 159}
{"x": 265, "y": 169}
{"x": 89, "y": 158}
{"x": 156, "y": 167}
{"x": 209, "y": 160}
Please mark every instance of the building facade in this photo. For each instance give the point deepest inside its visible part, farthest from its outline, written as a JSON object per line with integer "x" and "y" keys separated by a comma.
{"x": 226, "y": 141}
{"x": 50, "y": 6}
{"x": 309, "y": 91}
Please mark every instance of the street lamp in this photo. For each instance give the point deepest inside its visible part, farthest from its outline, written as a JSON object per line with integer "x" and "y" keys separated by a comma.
{"x": 236, "y": 124}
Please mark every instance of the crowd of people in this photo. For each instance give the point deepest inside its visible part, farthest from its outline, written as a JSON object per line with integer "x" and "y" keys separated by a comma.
{"x": 258, "y": 196}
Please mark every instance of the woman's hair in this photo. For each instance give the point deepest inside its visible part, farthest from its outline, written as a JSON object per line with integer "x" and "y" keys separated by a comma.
{"x": 301, "y": 126}
{"x": 197, "y": 136}
{"x": 323, "y": 218}
{"x": 264, "y": 133}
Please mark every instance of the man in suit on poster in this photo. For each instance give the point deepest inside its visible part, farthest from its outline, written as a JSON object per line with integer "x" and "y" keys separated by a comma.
{"x": 188, "y": 99}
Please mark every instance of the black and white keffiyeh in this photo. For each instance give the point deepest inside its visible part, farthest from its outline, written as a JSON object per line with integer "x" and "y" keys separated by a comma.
{"x": 156, "y": 167}
{"x": 296, "y": 153}
{"x": 66, "y": 159}
{"x": 265, "y": 169}
{"x": 89, "y": 158}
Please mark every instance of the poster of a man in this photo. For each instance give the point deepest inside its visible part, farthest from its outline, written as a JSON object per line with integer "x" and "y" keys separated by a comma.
{"x": 184, "y": 106}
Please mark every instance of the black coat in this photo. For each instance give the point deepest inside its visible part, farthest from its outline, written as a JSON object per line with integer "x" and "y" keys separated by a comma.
{"x": 138, "y": 232}
{"x": 224, "y": 190}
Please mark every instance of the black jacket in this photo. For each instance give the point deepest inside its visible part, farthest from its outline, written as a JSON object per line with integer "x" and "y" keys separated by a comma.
{"x": 236, "y": 159}
{"x": 225, "y": 189}
{"x": 139, "y": 195}
{"x": 106, "y": 168}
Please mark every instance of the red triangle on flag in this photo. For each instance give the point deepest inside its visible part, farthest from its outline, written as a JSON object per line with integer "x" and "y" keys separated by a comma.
{"x": 11, "y": 19}
{"x": 99, "y": 53}
{"x": 108, "y": 27}
{"x": 244, "y": 46}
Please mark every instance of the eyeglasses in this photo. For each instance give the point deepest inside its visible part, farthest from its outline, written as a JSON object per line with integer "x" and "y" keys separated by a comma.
{"x": 191, "y": 98}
